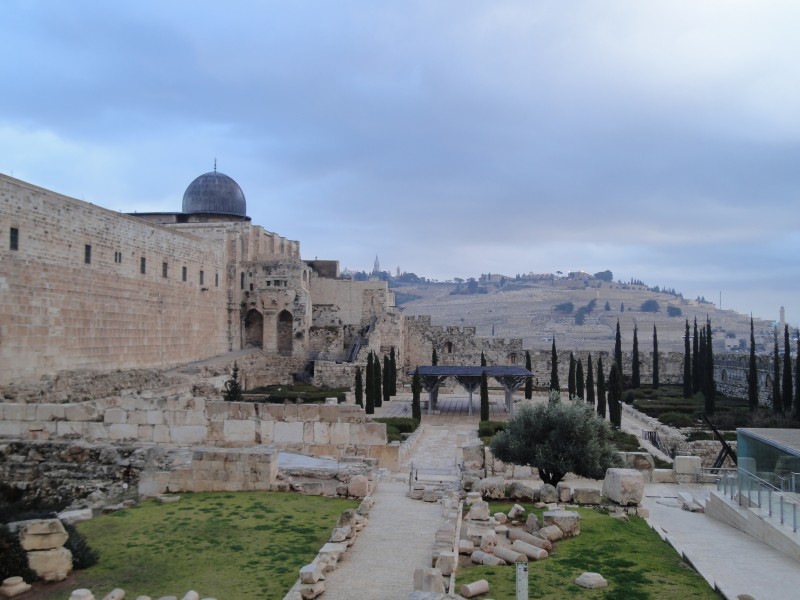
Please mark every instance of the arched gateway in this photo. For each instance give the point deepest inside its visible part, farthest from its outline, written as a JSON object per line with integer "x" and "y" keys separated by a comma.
{"x": 253, "y": 329}
{"x": 285, "y": 321}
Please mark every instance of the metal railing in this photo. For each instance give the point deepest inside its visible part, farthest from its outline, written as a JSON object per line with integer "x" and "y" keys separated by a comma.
{"x": 653, "y": 437}
{"x": 751, "y": 490}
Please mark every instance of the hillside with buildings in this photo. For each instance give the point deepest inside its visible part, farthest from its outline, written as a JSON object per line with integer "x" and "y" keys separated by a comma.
{"x": 580, "y": 310}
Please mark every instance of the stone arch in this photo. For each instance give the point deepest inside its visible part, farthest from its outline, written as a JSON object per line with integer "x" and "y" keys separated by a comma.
{"x": 253, "y": 329}
{"x": 285, "y": 326}
{"x": 448, "y": 347}
{"x": 512, "y": 358}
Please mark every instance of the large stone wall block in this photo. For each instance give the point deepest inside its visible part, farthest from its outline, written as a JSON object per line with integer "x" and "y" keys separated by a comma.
{"x": 340, "y": 433}
{"x": 308, "y": 432}
{"x": 687, "y": 465}
{"x": 115, "y": 415}
{"x": 237, "y": 431}
{"x": 188, "y": 434}
{"x": 70, "y": 430}
{"x": 322, "y": 432}
{"x": 50, "y": 412}
{"x": 84, "y": 411}
{"x": 267, "y": 432}
{"x": 290, "y": 412}
{"x": 120, "y": 431}
{"x": 308, "y": 412}
{"x": 329, "y": 413}
{"x": 368, "y": 434}
{"x": 51, "y": 565}
{"x": 42, "y": 534}
{"x": 275, "y": 411}
{"x": 288, "y": 433}
{"x": 623, "y": 486}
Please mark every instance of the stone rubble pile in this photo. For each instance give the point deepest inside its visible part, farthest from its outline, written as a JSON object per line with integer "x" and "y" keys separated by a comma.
{"x": 119, "y": 594}
{"x": 311, "y": 582}
{"x": 43, "y": 540}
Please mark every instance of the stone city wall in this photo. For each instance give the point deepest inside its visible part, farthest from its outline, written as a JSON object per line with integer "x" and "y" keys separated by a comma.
{"x": 731, "y": 372}
{"x": 72, "y": 295}
{"x": 356, "y": 301}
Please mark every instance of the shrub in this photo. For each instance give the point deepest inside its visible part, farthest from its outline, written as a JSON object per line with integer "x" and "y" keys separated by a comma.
{"x": 676, "y": 419}
{"x": 83, "y": 556}
{"x": 397, "y": 426}
{"x": 625, "y": 442}
{"x": 650, "y": 306}
{"x": 489, "y": 428}
{"x": 629, "y": 397}
{"x": 674, "y": 311}
{"x": 565, "y": 307}
{"x": 13, "y": 559}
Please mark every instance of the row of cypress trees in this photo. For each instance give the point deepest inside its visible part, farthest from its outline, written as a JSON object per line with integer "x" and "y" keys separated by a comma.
{"x": 380, "y": 384}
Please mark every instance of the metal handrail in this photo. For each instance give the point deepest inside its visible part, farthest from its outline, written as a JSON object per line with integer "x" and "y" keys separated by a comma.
{"x": 741, "y": 484}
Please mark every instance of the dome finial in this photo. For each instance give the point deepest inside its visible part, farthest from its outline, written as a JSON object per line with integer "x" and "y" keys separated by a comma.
{"x": 215, "y": 164}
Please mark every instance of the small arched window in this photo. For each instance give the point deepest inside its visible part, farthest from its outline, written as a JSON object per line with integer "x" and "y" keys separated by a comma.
{"x": 448, "y": 347}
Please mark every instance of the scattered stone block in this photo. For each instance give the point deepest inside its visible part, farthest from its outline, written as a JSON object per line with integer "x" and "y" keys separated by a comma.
{"x": 479, "y": 511}
{"x": 51, "y": 565}
{"x": 547, "y": 493}
{"x": 446, "y": 563}
{"x": 516, "y": 512}
{"x": 13, "y": 586}
{"x": 501, "y": 530}
{"x": 311, "y": 573}
{"x": 522, "y": 493}
{"x": 664, "y": 476}
{"x": 518, "y": 534}
{"x": 465, "y": 547}
{"x": 510, "y": 555}
{"x": 493, "y": 488}
{"x": 564, "y": 492}
{"x": 429, "y": 580}
{"x": 430, "y": 494}
{"x": 532, "y": 523}
{"x": 476, "y": 530}
{"x": 143, "y": 598}
{"x": 583, "y": 496}
{"x": 529, "y": 550}
{"x": 483, "y": 558}
{"x": 164, "y": 499}
{"x": 641, "y": 461}
{"x": 81, "y": 594}
{"x": 591, "y": 581}
{"x": 473, "y": 497}
{"x": 551, "y": 533}
{"x": 687, "y": 465}
{"x": 476, "y": 588}
{"x": 42, "y": 534}
{"x": 643, "y": 512}
{"x": 473, "y": 455}
{"x": 500, "y": 517}
{"x": 75, "y": 516}
{"x": 117, "y": 594}
{"x": 358, "y": 486}
{"x": 488, "y": 542}
{"x": 568, "y": 521}
{"x": 623, "y": 486}
{"x": 308, "y": 591}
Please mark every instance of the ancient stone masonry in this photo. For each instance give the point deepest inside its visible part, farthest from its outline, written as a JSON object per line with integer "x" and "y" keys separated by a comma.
{"x": 731, "y": 371}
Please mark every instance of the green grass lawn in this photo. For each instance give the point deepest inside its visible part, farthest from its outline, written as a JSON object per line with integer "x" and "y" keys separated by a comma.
{"x": 636, "y": 562}
{"x": 247, "y": 545}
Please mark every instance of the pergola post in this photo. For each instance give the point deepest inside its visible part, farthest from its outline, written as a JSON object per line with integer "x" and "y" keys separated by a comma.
{"x": 470, "y": 403}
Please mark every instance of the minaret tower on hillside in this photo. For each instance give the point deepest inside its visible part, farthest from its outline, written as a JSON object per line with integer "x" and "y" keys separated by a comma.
{"x": 377, "y": 268}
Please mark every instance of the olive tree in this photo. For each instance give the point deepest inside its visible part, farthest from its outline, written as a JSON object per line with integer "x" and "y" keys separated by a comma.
{"x": 556, "y": 439}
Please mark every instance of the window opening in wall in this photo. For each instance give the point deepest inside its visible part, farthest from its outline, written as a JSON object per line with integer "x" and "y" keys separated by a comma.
{"x": 87, "y": 254}
{"x": 13, "y": 239}
{"x": 216, "y": 279}
{"x": 277, "y": 283}
{"x": 201, "y": 277}
{"x": 142, "y": 265}
{"x": 448, "y": 347}
{"x": 117, "y": 257}
{"x": 251, "y": 287}
{"x": 164, "y": 269}
{"x": 241, "y": 281}
{"x": 183, "y": 274}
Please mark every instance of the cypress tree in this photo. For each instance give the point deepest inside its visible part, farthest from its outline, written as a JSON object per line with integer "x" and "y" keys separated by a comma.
{"x": 655, "y": 358}
{"x": 232, "y": 391}
{"x": 554, "y": 384}
{"x": 387, "y": 378}
{"x": 615, "y": 397}
{"x": 752, "y": 373}
{"x": 788, "y": 392}
{"x": 601, "y": 389}
{"x": 434, "y": 357}
{"x": 416, "y": 390}
{"x": 618, "y": 349}
{"x": 369, "y": 407}
{"x": 571, "y": 377}
{"x": 377, "y": 385}
{"x": 687, "y": 363}
{"x": 797, "y": 379}
{"x": 635, "y": 379}
{"x": 359, "y": 388}
{"x": 589, "y": 381}
{"x": 529, "y": 380}
{"x": 699, "y": 369}
{"x": 696, "y": 366}
{"x": 393, "y": 378}
{"x": 580, "y": 389}
{"x": 709, "y": 387}
{"x": 777, "y": 401}
{"x": 484, "y": 397}
{"x": 483, "y": 359}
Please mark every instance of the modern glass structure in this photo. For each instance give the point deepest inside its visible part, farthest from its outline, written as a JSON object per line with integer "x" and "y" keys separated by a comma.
{"x": 770, "y": 455}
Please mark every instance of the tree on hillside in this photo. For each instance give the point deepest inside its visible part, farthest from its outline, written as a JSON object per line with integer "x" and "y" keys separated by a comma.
{"x": 416, "y": 390}
{"x": 387, "y": 378}
{"x": 618, "y": 349}
{"x": 369, "y": 406}
{"x": 777, "y": 401}
{"x": 635, "y": 379}
{"x": 674, "y": 311}
{"x": 655, "y": 358}
{"x": 571, "y": 377}
{"x": 529, "y": 380}
{"x": 376, "y": 372}
{"x": 580, "y": 390}
{"x": 601, "y": 389}
{"x": 484, "y": 397}
{"x": 606, "y": 275}
{"x": 752, "y": 372}
{"x": 615, "y": 397}
{"x": 232, "y": 391}
{"x": 557, "y": 439}
{"x": 696, "y": 374}
{"x": 788, "y": 392}
{"x": 622, "y": 307}
{"x": 687, "y": 363}
{"x": 359, "y": 388}
{"x": 589, "y": 381}
{"x": 650, "y": 306}
{"x": 554, "y": 384}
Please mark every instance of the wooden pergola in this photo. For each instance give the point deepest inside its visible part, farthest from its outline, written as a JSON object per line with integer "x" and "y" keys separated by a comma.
{"x": 511, "y": 378}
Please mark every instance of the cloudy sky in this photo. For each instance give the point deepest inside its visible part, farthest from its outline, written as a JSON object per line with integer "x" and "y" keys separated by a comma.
{"x": 657, "y": 139}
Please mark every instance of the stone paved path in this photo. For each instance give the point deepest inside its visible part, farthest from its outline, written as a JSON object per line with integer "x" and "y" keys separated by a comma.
{"x": 400, "y": 534}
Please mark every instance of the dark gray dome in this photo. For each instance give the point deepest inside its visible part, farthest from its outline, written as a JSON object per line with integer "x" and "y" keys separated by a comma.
{"x": 214, "y": 193}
